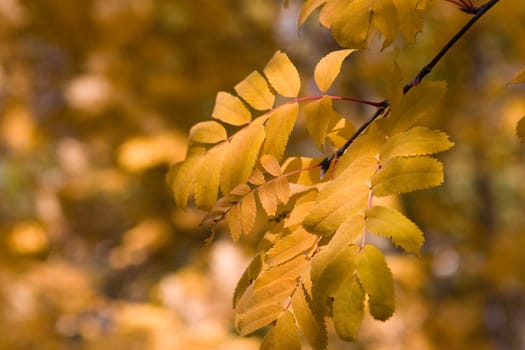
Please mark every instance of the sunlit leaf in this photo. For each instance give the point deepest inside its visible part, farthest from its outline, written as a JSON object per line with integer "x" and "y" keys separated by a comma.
{"x": 313, "y": 328}
{"x": 290, "y": 269}
{"x": 208, "y": 132}
{"x": 290, "y": 246}
{"x": 377, "y": 281}
{"x": 385, "y": 19}
{"x": 183, "y": 177}
{"x": 283, "y": 336}
{"x": 230, "y": 109}
{"x": 328, "y": 68}
{"x": 306, "y": 10}
{"x": 392, "y": 224}
{"x": 403, "y": 175}
{"x": 241, "y": 155}
{"x": 207, "y": 179}
{"x": 254, "y": 90}
{"x": 234, "y": 222}
{"x": 248, "y": 213}
{"x": 330, "y": 11}
{"x": 341, "y": 132}
{"x": 278, "y": 129}
{"x": 282, "y": 75}
{"x": 415, "y": 142}
{"x": 317, "y": 118}
{"x": 268, "y": 198}
{"x": 349, "y": 308}
{"x": 247, "y": 278}
{"x": 257, "y": 318}
{"x": 350, "y": 27}
{"x": 270, "y": 164}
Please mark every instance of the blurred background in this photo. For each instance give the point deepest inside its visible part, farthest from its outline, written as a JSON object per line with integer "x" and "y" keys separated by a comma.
{"x": 96, "y": 100}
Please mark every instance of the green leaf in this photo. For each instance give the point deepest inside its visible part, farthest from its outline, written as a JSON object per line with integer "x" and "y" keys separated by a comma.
{"x": 403, "y": 175}
{"x": 278, "y": 129}
{"x": 349, "y": 309}
{"x": 328, "y": 68}
{"x": 298, "y": 242}
{"x": 247, "y": 278}
{"x": 317, "y": 118}
{"x": 390, "y": 223}
{"x": 350, "y": 27}
{"x": 377, "y": 281}
{"x": 230, "y": 109}
{"x": 415, "y": 142}
{"x": 282, "y": 75}
{"x": 520, "y": 129}
{"x": 314, "y": 329}
{"x": 208, "y": 132}
{"x": 241, "y": 155}
{"x": 254, "y": 90}
{"x": 283, "y": 336}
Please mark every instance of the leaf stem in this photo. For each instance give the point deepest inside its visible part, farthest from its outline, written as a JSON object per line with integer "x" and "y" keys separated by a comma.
{"x": 383, "y": 105}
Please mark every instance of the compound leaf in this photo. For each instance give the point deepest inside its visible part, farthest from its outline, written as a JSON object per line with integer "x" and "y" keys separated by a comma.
{"x": 282, "y": 75}
{"x": 390, "y": 223}
{"x": 287, "y": 248}
{"x": 377, "y": 281}
{"x": 270, "y": 164}
{"x": 402, "y": 175}
{"x": 230, "y": 109}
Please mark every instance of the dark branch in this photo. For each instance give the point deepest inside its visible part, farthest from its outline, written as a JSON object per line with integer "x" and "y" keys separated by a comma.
{"x": 480, "y": 11}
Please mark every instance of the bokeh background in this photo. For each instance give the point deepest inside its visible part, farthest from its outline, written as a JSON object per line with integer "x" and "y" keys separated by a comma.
{"x": 96, "y": 100}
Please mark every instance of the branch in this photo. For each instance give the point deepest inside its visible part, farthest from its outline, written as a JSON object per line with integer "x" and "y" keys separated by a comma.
{"x": 480, "y": 11}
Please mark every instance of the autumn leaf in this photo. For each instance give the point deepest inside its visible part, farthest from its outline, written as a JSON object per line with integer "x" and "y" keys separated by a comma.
{"x": 328, "y": 68}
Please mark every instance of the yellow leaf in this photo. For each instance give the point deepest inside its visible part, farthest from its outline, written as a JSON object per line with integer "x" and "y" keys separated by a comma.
{"x": 283, "y": 336}
{"x": 328, "y": 68}
{"x": 368, "y": 144}
{"x": 341, "y": 132}
{"x": 270, "y": 164}
{"x": 318, "y": 115}
{"x": 414, "y": 142}
{"x": 349, "y": 309}
{"x": 298, "y": 213}
{"x": 257, "y": 318}
{"x": 278, "y": 129}
{"x": 249, "y": 275}
{"x": 208, "y": 132}
{"x": 282, "y": 75}
{"x": 386, "y": 222}
{"x": 257, "y": 177}
{"x": 350, "y": 27}
{"x": 385, "y": 19}
{"x": 254, "y": 90}
{"x": 298, "y": 242}
{"x": 330, "y": 11}
{"x": 403, "y": 175}
{"x": 240, "y": 156}
{"x": 326, "y": 216}
{"x": 234, "y": 222}
{"x": 410, "y": 21}
{"x": 377, "y": 281}
{"x": 306, "y": 177}
{"x": 282, "y": 189}
{"x": 328, "y": 279}
{"x": 230, "y": 109}
{"x": 307, "y": 9}
{"x": 182, "y": 177}
{"x": 248, "y": 213}
{"x": 313, "y": 328}
{"x": 268, "y": 198}
{"x": 344, "y": 236}
{"x": 208, "y": 178}
{"x": 290, "y": 269}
